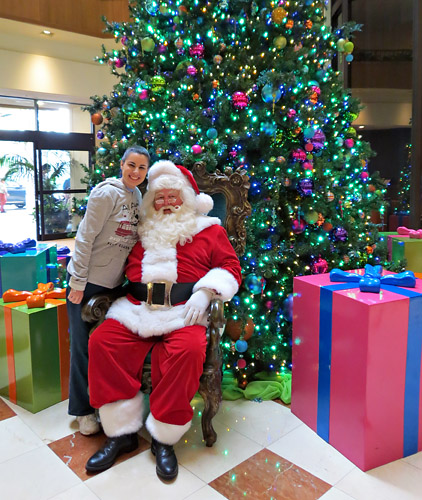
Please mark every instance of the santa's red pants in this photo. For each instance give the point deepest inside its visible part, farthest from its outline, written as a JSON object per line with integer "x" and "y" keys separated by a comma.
{"x": 116, "y": 358}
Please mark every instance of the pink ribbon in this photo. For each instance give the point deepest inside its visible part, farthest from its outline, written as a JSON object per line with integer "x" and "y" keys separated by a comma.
{"x": 412, "y": 233}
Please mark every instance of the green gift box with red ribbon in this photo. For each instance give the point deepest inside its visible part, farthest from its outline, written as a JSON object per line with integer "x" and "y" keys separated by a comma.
{"x": 34, "y": 354}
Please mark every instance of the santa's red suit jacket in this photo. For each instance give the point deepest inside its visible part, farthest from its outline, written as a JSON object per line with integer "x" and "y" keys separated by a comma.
{"x": 209, "y": 260}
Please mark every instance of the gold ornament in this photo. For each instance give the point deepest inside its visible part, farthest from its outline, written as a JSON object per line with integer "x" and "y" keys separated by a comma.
{"x": 280, "y": 42}
{"x": 278, "y": 15}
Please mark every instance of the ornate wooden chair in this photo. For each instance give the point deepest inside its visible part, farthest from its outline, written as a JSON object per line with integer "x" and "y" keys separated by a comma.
{"x": 230, "y": 192}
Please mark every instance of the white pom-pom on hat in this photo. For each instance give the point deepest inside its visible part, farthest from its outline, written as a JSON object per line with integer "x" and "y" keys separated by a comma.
{"x": 164, "y": 174}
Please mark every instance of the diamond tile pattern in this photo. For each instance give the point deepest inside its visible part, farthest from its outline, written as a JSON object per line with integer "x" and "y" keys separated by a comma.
{"x": 263, "y": 452}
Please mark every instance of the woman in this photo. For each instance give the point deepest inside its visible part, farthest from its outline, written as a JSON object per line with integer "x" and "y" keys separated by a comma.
{"x": 104, "y": 239}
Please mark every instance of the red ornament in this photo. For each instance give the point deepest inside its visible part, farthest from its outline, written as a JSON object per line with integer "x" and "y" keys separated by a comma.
{"x": 240, "y": 100}
{"x": 197, "y": 50}
{"x": 320, "y": 266}
{"x": 241, "y": 364}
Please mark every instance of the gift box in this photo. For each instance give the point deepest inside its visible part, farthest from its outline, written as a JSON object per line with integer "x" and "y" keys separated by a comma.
{"x": 356, "y": 374}
{"x": 387, "y": 236}
{"x": 404, "y": 247}
{"x": 23, "y": 271}
{"x": 399, "y": 219}
{"x": 34, "y": 354}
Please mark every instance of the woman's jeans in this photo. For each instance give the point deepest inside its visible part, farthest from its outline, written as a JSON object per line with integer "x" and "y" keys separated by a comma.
{"x": 79, "y": 336}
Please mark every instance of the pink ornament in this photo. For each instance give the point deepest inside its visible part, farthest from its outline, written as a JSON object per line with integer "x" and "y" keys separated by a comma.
{"x": 233, "y": 154}
{"x": 269, "y": 304}
{"x": 299, "y": 155}
{"x": 119, "y": 63}
{"x": 162, "y": 48}
{"x": 349, "y": 143}
{"x": 124, "y": 40}
{"x": 320, "y": 266}
{"x": 309, "y": 147}
{"x": 143, "y": 94}
{"x": 197, "y": 50}
{"x": 316, "y": 89}
{"x": 241, "y": 363}
{"x": 364, "y": 176}
{"x": 240, "y": 100}
{"x": 291, "y": 113}
{"x": 196, "y": 149}
{"x": 308, "y": 165}
{"x": 298, "y": 226}
{"x": 191, "y": 70}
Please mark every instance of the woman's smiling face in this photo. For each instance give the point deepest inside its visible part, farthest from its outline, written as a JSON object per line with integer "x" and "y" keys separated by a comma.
{"x": 134, "y": 170}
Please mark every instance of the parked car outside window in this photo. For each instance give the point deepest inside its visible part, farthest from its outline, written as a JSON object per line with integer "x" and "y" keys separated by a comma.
{"x": 16, "y": 194}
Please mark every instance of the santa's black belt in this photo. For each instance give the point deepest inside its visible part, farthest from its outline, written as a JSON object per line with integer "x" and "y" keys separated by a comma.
{"x": 160, "y": 293}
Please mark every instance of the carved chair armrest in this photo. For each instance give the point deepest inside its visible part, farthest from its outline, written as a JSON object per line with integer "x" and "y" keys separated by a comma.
{"x": 216, "y": 316}
{"x": 95, "y": 308}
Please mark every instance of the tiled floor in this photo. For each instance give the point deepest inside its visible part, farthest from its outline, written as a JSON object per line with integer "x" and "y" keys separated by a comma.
{"x": 263, "y": 452}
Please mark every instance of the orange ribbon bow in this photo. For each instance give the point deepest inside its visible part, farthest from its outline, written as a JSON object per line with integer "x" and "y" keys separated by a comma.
{"x": 37, "y": 297}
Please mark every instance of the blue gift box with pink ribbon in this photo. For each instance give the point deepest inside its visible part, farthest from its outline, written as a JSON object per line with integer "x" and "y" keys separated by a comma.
{"x": 357, "y": 351}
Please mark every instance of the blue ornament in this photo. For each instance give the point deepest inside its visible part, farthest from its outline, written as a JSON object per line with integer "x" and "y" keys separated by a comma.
{"x": 100, "y": 134}
{"x": 212, "y": 133}
{"x": 270, "y": 94}
{"x": 101, "y": 151}
{"x": 253, "y": 283}
{"x": 269, "y": 128}
{"x": 288, "y": 308}
{"x": 241, "y": 345}
{"x": 151, "y": 6}
{"x": 349, "y": 57}
{"x": 309, "y": 133}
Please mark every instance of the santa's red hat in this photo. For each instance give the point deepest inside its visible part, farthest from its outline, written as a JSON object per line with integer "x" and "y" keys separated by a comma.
{"x": 164, "y": 174}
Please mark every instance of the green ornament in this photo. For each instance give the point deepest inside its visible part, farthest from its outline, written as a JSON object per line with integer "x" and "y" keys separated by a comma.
{"x": 157, "y": 84}
{"x": 147, "y": 44}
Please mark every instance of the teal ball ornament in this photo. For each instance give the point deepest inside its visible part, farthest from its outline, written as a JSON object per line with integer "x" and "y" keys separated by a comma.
{"x": 270, "y": 93}
{"x": 253, "y": 284}
{"x": 212, "y": 133}
{"x": 241, "y": 346}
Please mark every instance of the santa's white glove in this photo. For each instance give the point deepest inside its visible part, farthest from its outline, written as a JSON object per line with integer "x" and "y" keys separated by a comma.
{"x": 197, "y": 305}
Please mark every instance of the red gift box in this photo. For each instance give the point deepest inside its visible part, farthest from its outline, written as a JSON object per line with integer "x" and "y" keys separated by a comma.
{"x": 356, "y": 376}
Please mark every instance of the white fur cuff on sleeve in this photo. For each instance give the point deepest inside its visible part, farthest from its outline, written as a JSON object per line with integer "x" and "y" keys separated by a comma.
{"x": 220, "y": 280}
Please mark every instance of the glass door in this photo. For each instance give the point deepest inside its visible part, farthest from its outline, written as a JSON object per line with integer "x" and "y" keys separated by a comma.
{"x": 17, "y": 168}
{"x": 58, "y": 182}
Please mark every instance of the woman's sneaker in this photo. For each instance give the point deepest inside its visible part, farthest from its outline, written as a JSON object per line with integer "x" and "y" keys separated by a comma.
{"x": 88, "y": 424}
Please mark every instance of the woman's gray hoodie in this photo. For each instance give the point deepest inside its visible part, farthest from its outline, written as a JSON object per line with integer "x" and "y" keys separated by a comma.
{"x": 105, "y": 236}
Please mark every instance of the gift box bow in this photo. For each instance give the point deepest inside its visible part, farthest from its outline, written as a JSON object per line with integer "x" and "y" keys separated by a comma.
{"x": 372, "y": 280}
{"x": 412, "y": 233}
{"x": 37, "y": 297}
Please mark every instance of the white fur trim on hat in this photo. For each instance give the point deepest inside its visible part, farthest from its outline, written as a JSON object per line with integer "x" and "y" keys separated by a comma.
{"x": 165, "y": 433}
{"x": 122, "y": 417}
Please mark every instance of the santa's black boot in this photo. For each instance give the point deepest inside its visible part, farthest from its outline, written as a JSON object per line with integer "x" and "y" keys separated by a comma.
{"x": 105, "y": 457}
{"x": 165, "y": 459}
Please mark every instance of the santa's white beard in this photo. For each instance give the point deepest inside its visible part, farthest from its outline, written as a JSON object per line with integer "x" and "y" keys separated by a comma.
{"x": 160, "y": 229}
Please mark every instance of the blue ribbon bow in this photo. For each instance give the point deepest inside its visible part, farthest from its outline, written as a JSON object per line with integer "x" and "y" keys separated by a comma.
{"x": 372, "y": 280}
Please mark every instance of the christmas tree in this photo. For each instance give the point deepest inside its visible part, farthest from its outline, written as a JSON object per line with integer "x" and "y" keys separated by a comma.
{"x": 404, "y": 184}
{"x": 250, "y": 84}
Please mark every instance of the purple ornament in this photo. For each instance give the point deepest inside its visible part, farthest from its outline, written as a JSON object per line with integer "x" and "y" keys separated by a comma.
{"x": 305, "y": 186}
{"x": 318, "y": 139}
{"x": 162, "y": 48}
{"x": 197, "y": 50}
{"x": 100, "y": 134}
{"x": 339, "y": 234}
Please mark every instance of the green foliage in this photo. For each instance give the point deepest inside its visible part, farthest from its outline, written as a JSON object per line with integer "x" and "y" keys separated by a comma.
{"x": 248, "y": 85}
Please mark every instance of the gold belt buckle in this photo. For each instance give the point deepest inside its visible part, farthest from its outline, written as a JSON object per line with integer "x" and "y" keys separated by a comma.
{"x": 167, "y": 291}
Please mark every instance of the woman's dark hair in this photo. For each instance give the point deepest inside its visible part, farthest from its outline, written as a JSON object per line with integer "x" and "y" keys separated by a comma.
{"x": 138, "y": 150}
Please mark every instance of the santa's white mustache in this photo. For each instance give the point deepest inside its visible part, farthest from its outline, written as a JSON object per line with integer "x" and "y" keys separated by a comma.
{"x": 172, "y": 208}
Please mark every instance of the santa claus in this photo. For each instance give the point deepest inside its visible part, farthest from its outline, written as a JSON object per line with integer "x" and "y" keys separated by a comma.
{"x": 183, "y": 259}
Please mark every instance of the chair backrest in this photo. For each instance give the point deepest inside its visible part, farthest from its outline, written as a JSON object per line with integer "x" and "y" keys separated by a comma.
{"x": 229, "y": 191}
